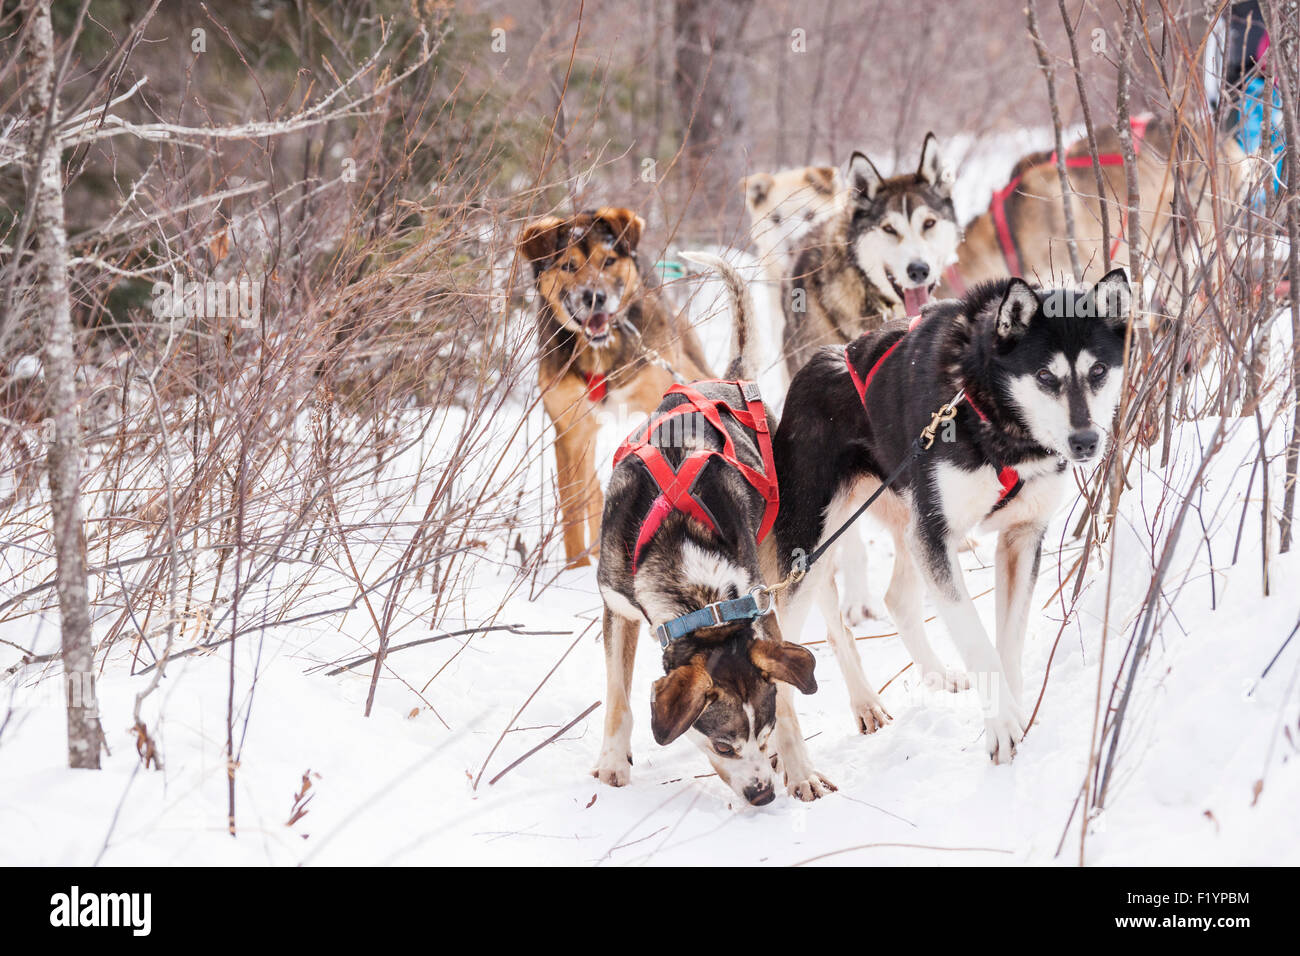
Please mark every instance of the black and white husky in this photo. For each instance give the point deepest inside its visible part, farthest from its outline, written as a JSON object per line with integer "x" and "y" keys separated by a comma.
{"x": 727, "y": 684}
{"x": 1039, "y": 377}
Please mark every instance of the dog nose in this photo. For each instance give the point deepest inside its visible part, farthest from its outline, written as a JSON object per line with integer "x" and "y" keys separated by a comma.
{"x": 593, "y": 299}
{"x": 1083, "y": 444}
{"x": 761, "y": 796}
{"x": 918, "y": 271}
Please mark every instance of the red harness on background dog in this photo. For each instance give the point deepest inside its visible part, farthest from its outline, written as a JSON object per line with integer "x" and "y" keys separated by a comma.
{"x": 1008, "y": 477}
{"x": 998, "y": 206}
{"x": 675, "y": 487}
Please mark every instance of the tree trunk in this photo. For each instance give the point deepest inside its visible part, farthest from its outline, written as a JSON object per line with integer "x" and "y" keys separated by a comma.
{"x": 45, "y": 192}
{"x": 711, "y": 89}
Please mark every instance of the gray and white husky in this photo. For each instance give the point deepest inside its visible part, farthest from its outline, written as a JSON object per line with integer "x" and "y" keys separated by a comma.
{"x": 877, "y": 258}
{"x": 1039, "y": 374}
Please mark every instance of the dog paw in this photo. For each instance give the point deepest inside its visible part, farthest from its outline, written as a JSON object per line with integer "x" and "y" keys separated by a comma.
{"x": 1002, "y": 733}
{"x": 614, "y": 769}
{"x": 947, "y": 679}
{"x": 870, "y": 715}
{"x": 859, "y": 612}
{"x": 811, "y": 787}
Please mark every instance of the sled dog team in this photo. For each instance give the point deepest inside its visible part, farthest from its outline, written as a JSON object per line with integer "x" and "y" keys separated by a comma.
{"x": 714, "y": 507}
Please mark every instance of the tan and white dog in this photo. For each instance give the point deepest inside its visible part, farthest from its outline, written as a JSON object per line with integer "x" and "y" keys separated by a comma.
{"x": 783, "y": 207}
{"x": 1023, "y": 232}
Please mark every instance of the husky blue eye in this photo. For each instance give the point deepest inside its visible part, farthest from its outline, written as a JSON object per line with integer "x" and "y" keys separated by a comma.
{"x": 1097, "y": 372}
{"x": 1046, "y": 378}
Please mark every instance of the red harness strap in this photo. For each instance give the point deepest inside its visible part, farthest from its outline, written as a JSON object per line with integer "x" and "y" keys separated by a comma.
{"x": 998, "y": 207}
{"x": 863, "y": 384}
{"x": 1008, "y": 477}
{"x": 675, "y": 487}
{"x": 595, "y": 386}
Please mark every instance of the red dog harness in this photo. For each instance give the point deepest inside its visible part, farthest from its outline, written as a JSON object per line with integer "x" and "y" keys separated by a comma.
{"x": 998, "y": 207}
{"x": 1008, "y": 477}
{"x": 675, "y": 487}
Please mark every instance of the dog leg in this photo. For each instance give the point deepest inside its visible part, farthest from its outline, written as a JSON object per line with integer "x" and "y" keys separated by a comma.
{"x": 1020, "y": 550}
{"x": 575, "y": 456}
{"x": 791, "y": 757}
{"x": 614, "y": 766}
{"x": 867, "y": 707}
{"x": 903, "y": 600}
{"x": 851, "y": 558}
{"x": 1004, "y": 722}
{"x": 801, "y": 780}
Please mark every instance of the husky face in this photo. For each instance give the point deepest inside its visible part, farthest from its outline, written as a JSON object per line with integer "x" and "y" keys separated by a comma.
{"x": 903, "y": 231}
{"x": 585, "y": 267}
{"x": 1060, "y": 357}
{"x": 784, "y": 205}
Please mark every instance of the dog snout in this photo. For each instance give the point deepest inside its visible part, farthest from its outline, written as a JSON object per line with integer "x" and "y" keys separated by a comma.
{"x": 593, "y": 299}
{"x": 760, "y": 794}
{"x": 918, "y": 271}
{"x": 1083, "y": 444}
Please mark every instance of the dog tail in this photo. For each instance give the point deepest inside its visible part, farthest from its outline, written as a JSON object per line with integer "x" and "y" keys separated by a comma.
{"x": 744, "y": 360}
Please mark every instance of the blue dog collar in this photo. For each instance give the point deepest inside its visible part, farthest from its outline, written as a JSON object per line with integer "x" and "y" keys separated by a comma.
{"x": 746, "y": 608}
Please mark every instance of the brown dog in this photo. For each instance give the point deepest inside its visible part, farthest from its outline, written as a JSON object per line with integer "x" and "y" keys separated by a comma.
{"x": 600, "y": 328}
{"x": 1023, "y": 231}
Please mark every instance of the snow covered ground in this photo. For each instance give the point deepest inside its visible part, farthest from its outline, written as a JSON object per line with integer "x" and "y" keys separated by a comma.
{"x": 1208, "y": 772}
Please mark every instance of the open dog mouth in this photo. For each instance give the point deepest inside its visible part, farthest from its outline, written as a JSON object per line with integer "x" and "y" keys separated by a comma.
{"x": 596, "y": 327}
{"x": 912, "y": 298}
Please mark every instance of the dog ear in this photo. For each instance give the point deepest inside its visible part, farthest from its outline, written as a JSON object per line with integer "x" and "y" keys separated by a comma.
{"x": 932, "y": 168}
{"x": 822, "y": 178}
{"x": 863, "y": 176}
{"x": 542, "y": 239}
{"x": 783, "y": 661}
{"x": 1113, "y": 298}
{"x": 624, "y": 224}
{"x": 678, "y": 699}
{"x": 756, "y": 187}
{"x": 1018, "y": 306}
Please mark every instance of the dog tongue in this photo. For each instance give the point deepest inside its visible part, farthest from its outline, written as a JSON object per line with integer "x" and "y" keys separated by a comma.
{"x": 913, "y": 299}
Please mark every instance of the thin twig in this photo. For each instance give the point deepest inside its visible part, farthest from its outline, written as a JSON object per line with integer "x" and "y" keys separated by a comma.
{"x": 549, "y": 740}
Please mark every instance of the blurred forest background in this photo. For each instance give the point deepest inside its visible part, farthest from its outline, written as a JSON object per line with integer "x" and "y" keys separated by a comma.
{"x": 661, "y": 105}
